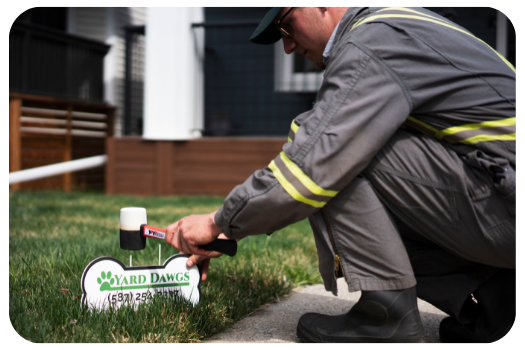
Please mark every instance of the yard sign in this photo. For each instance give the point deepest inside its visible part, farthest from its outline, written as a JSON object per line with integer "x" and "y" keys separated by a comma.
{"x": 106, "y": 282}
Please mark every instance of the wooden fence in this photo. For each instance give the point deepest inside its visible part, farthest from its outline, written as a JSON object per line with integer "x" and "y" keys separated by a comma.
{"x": 47, "y": 130}
{"x": 207, "y": 166}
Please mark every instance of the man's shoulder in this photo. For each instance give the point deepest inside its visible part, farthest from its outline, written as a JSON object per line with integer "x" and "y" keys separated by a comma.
{"x": 389, "y": 31}
{"x": 374, "y": 34}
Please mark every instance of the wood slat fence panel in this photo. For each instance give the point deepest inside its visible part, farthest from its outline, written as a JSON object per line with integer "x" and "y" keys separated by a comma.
{"x": 207, "y": 166}
{"x": 46, "y": 130}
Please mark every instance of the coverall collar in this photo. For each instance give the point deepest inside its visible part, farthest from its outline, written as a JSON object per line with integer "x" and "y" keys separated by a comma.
{"x": 352, "y": 15}
{"x": 330, "y": 44}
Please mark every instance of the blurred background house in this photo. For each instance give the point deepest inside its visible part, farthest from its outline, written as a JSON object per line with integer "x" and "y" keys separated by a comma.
{"x": 177, "y": 98}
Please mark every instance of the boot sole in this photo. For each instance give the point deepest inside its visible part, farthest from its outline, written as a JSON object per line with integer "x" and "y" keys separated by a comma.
{"x": 303, "y": 335}
{"x": 307, "y": 340}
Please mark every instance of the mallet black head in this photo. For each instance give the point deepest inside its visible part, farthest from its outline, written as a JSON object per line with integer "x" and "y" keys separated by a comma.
{"x": 131, "y": 237}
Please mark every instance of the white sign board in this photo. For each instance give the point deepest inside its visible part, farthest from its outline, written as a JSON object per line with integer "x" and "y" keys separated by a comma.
{"x": 106, "y": 282}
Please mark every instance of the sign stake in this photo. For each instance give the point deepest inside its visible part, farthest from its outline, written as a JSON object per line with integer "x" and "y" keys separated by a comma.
{"x": 130, "y": 260}
{"x": 159, "y": 254}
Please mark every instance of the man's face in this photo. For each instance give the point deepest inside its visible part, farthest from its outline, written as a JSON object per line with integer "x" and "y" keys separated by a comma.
{"x": 312, "y": 29}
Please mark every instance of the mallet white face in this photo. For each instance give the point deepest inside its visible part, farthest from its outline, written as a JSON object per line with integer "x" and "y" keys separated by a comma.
{"x": 132, "y": 218}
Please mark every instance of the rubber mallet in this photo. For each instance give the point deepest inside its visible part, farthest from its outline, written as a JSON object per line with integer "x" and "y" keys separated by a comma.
{"x": 134, "y": 230}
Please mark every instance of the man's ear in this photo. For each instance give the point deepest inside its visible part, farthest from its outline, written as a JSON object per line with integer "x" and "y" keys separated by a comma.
{"x": 323, "y": 11}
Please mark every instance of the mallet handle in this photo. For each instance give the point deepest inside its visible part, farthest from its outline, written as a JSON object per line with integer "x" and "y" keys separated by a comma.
{"x": 225, "y": 246}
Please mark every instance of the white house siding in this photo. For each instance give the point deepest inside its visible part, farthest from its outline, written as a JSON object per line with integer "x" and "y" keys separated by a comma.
{"x": 107, "y": 24}
{"x": 89, "y": 22}
{"x": 124, "y": 16}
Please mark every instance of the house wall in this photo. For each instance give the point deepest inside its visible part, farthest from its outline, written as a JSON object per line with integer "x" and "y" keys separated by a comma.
{"x": 89, "y": 22}
{"x": 106, "y": 24}
{"x": 240, "y": 99}
{"x": 123, "y": 16}
{"x": 239, "y": 92}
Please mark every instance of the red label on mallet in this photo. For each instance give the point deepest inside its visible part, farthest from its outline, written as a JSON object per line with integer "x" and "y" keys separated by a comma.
{"x": 154, "y": 232}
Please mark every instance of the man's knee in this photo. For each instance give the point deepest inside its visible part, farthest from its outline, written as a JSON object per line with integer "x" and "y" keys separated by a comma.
{"x": 429, "y": 188}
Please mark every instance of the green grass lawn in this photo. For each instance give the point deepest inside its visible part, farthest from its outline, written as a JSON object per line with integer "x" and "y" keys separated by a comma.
{"x": 53, "y": 236}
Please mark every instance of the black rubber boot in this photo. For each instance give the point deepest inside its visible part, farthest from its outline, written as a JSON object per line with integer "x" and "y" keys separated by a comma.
{"x": 495, "y": 315}
{"x": 378, "y": 317}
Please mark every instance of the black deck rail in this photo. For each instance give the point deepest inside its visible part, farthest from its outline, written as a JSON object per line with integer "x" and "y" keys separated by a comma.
{"x": 44, "y": 61}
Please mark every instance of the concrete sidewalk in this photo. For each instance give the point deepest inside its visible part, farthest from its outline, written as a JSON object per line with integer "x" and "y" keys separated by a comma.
{"x": 276, "y": 323}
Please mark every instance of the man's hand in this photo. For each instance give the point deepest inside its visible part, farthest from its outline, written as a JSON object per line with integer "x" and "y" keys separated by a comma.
{"x": 188, "y": 233}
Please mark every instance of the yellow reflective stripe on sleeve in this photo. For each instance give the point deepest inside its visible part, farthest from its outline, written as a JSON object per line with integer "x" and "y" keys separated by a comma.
{"x": 294, "y": 126}
{"x": 502, "y": 58}
{"x": 474, "y": 126}
{"x": 305, "y": 180}
{"x": 293, "y": 129}
{"x": 438, "y": 21}
{"x": 484, "y": 138}
{"x": 290, "y": 189}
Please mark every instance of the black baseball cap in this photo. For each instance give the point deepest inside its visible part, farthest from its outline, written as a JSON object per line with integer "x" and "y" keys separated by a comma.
{"x": 266, "y": 33}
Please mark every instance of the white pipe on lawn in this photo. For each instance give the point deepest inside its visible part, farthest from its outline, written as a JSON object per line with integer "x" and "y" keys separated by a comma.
{"x": 56, "y": 169}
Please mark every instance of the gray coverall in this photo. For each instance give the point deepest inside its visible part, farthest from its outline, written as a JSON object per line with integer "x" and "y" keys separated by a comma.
{"x": 392, "y": 199}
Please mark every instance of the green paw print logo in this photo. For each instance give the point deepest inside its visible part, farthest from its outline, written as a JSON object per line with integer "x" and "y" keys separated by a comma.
{"x": 105, "y": 281}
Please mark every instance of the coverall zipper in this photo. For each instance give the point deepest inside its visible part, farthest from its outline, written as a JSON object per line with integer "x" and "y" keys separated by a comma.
{"x": 339, "y": 272}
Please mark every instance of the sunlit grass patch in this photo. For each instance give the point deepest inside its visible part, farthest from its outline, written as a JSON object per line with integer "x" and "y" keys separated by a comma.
{"x": 53, "y": 236}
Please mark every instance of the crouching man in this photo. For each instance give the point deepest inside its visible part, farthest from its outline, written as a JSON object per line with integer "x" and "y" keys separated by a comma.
{"x": 405, "y": 168}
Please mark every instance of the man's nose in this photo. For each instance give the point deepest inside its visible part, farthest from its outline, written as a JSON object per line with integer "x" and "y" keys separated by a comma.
{"x": 289, "y": 44}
